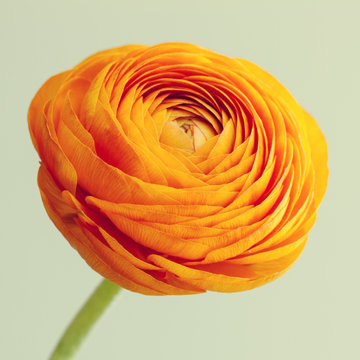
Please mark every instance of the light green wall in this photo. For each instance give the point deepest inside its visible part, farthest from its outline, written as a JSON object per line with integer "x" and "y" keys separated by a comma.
{"x": 312, "y": 312}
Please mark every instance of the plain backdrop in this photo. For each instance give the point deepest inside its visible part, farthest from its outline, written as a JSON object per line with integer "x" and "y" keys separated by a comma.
{"x": 312, "y": 312}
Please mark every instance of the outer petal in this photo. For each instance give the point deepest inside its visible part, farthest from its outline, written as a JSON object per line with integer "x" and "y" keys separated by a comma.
{"x": 114, "y": 267}
{"x": 318, "y": 146}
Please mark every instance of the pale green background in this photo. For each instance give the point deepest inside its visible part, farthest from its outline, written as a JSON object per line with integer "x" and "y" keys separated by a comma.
{"x": 312, "y": 312}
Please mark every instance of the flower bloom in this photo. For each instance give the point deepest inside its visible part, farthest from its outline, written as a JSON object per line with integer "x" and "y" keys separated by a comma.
{"x": 172, "y": 169}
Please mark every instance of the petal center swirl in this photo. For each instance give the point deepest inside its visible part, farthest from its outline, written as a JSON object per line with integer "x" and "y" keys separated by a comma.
{"x": 186, "y": 132}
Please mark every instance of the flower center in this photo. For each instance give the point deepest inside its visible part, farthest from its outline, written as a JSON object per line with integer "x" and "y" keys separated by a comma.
{"x": 187, "y": 133}
{"x": 197, "y": 130}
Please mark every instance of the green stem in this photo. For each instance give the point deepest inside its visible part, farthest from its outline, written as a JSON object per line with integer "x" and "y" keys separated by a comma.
{"x": 84, "y": 320}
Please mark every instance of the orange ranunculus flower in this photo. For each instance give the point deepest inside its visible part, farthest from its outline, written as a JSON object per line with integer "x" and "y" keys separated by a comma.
{"x": 172, "y": 169}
